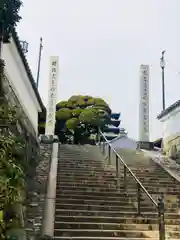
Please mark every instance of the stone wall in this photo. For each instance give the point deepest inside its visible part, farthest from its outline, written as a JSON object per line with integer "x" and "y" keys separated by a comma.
{"x": 172, "y": 140}
{"x": 36, "y": 193}
{"x": 170, "y": 143}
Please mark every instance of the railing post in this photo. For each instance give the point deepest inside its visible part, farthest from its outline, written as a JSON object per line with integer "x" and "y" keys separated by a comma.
{"x": 98, "y": 136}
{"x": 138, "y": 199}
{"x": 161, "y": 219}
{"x": 100, "y": 146}
{"x": 117, "y": 172}
{"x": 125, "y": 179}
{"x": 109, "y": 154}
{"x": 103, "y": 148}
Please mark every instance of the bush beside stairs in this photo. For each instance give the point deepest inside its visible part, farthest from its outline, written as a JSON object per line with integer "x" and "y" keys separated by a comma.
{"x": 89, "y": 205}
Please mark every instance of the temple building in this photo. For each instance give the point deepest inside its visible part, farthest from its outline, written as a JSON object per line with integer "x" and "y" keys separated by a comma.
{"x": 113, "y": 130}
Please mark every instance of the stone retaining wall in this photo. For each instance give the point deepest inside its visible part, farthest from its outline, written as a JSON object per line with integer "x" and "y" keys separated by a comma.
{"x": 37, "y": 192}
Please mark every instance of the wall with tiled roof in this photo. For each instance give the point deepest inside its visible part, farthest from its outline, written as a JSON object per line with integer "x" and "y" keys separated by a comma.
{"x": 26, "y": 66}
{"x": 20, "y": 77}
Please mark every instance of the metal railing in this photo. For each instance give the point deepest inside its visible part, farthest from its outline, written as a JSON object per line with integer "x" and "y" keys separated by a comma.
{"x": 159, "y": 206}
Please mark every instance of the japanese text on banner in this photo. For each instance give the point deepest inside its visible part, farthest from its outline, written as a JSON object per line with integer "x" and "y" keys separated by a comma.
{"x": 51, "y": 109}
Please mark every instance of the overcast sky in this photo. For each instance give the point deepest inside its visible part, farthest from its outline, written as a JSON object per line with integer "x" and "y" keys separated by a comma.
{"x": 101, "y": 44}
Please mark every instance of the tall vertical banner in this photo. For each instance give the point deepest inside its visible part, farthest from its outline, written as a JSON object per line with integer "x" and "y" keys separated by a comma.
{"x": 144, "y": 104}
{"x": 52, "y": 96}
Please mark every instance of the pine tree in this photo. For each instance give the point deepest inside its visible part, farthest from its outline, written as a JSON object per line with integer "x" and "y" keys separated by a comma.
{"x": 9, "y": 17}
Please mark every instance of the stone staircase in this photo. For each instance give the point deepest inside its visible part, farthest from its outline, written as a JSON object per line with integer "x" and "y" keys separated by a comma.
{"x": 90, "y": 206}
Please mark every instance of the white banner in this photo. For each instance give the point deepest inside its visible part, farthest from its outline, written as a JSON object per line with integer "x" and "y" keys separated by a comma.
{"x": 52, "y": 96}
{"x": 144, "y": 104}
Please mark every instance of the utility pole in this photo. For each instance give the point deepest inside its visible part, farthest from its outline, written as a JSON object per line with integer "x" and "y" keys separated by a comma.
{"x": 39, "y": 61}
{"x": 162, "y": 64}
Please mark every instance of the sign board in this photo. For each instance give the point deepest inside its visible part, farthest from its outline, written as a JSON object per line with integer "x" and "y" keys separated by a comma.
{"x": 144, "y": 104}
{"x": 145, "y": 145}
{"x": 52, "y": 96}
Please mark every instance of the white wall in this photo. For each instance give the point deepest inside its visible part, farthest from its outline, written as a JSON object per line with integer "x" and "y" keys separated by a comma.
{"x": 171, "y": 123}
{"x": 18, "y": 78}
{"x": 124, "y": 142}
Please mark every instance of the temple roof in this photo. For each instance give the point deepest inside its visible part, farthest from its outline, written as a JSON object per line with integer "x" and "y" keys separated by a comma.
{"x": 26, "y": 65}
{"x": 115, "y": 116}
{"x": 169, "y": 109}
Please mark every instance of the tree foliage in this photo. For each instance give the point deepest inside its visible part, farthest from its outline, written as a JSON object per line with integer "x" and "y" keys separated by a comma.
{"x": 9, "y": 17}
{"x": 79, "y": 117}
{"x": 12, "y": 177}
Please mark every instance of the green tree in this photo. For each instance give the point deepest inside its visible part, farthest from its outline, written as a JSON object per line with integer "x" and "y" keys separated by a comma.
{"x": 63, "y": 114}
{"x": 72, "y": 123}
{"x": 12, "y": 168}
{"x": 9, "y": 17}
{"x": 79, "y": 117}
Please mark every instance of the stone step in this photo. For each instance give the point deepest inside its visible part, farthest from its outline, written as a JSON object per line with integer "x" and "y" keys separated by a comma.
{"x": 77, "y": 158}
{"x": 103, "y": 205}
{"x": 157, "y": 176}
{"x": 107, "y": 174}
{"x": 100, "y": 238}
{"x": 124, "y": 217}
{"x": 71, "y": 160}
{"x": 104, "y": 179}
{"x": 114, "y": 181}
{"x": 90, "y": 206}
{"x": 89, "y": 180}
{"x": 85, "y": 186}
{"x": 99, "y": 196}
{"x": 103, "y": 232}
{"x": 113, "y": 233}
{"x": 94, "y": 193}
{"x": 92, "y": 201}
{"x": 92, "y": 172}
{"x": 74, "y": 164}
{"x": 122, "y": 199}
{"x": 88, "y": 190}
{"x": 129, "y": 217}
{"x": 85, "y": 171}
{"x": 84, "y": 167}
{"x": 90, "y": 185}
{"x": 75, "y": 161}
{"x": 104, "y": 193}
{"x": 110, "y": 188}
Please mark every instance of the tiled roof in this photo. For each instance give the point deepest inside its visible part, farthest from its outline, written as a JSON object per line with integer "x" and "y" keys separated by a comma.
{"x": 169, "y": 109}
{"x": 26, "y": 65}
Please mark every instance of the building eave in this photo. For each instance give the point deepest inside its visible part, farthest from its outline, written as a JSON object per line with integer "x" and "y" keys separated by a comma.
{"x": 157, "y": 140}
{"x": 169, "y": 110}
{"x": 27, "y": 68}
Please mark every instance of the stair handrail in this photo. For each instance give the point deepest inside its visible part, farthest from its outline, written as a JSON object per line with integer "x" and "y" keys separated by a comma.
{"x": 159, "y": 205}
{"x": 130, "y": 171}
